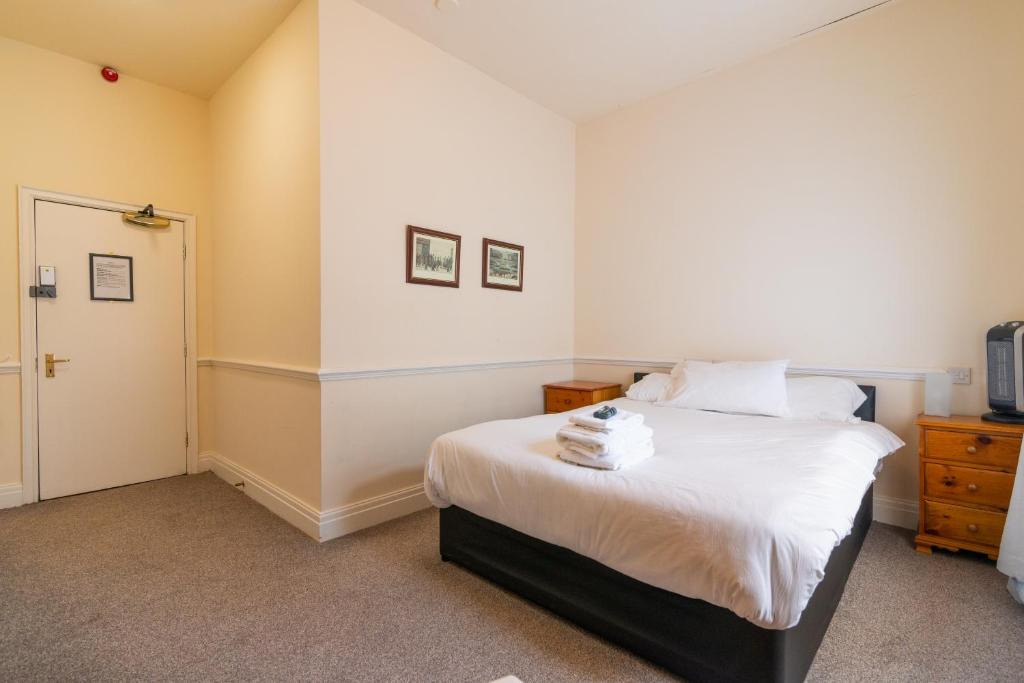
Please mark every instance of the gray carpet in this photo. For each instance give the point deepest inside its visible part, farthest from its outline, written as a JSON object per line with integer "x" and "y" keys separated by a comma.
{"x": 188, "y": 579}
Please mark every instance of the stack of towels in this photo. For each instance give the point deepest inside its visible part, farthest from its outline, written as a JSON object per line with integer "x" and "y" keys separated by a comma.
{"x": 607, "y": 444}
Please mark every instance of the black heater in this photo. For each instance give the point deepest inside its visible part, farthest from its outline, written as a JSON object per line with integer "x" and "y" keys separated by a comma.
{"x": 1005, "y": 345}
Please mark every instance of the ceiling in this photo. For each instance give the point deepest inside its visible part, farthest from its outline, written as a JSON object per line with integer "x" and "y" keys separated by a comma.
{"x": 583, "y": 58}
{"x": 188, "y": 45}
{"x": 580, "y": 58}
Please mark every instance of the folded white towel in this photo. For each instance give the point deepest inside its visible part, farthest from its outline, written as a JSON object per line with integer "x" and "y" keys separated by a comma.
{"x": 613, "y": 453}
{"x": 618, "y": 462}
{"x": 623, "y": 419}
{"x": 603, "y": 443}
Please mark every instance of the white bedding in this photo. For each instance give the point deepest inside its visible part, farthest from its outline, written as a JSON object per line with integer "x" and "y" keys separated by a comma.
{"x": 740, "y": 511}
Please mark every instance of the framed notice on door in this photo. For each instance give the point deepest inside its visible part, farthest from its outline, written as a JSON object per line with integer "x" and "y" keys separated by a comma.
{"x": 110, "y": 278}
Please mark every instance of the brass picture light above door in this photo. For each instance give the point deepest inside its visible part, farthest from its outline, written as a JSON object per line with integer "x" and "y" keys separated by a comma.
{"x": 147, "y": 218}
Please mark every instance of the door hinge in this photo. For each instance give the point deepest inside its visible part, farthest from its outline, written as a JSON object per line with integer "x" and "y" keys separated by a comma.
{"x": 186, "y": 350}
{"x": 184, "y": 252}
{"x": 186, "y": 439}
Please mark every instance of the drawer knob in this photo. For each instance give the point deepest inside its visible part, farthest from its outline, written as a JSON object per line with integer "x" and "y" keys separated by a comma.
{"x": 972, "y": 527}
{"x": 972, "y": 487}
{"x": 972, "y": 449}
{"x": 949, "y": 481}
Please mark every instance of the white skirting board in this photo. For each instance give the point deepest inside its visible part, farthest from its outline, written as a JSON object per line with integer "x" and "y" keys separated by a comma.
{"x": 896, "y": 511}
{"x": 299, "y": 514}
{"x": 344, "y": 520}
{"x": 10, "y": 495}
{"x": 317, "y": 524}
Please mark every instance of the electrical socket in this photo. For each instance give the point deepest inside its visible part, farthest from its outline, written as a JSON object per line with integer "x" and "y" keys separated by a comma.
{"x": 960, "y": 375}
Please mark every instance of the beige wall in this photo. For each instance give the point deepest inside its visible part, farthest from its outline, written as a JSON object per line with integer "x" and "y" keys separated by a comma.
{"x": 65, "y": 129}
{"x": 851, "y": 199}
{"x": 411, "y": 135}
{"x": 266, "y": 283}
{"x": 270, "y": 426}
{"x": 266, "y": 188}
{"x": 10, "y": 429}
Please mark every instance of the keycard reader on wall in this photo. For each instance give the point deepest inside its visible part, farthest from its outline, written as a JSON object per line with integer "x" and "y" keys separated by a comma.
{"x": 47, "y": 287}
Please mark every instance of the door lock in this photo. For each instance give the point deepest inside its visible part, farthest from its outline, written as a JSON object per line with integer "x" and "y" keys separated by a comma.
{"x": 47, "y": 287}
{"x": 51, "y": 361}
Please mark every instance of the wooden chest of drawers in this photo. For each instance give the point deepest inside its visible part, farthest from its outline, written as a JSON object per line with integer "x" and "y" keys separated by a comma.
{"x": 966, "y": 478}
{"x": 574, "y": 394}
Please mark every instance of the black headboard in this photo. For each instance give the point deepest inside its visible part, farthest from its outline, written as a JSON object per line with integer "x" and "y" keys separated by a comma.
{"x": 866, "y": 411}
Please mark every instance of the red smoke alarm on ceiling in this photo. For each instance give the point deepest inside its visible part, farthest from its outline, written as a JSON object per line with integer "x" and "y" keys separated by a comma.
{"x": 109, "y": 74}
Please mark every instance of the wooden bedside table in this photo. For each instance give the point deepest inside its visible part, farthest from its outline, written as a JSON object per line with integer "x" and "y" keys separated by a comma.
{"x": 563, "y": 396}
{"x": 966, "y": 477}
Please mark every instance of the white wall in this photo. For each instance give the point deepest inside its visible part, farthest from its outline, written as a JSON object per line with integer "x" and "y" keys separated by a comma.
{"x": 851, "y": 199}
{"x": 411, "y": 135}
{"x": 266, "y": 258}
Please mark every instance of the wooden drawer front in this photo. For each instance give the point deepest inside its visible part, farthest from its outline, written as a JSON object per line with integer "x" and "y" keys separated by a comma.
{"x": 963, "y": 484}
{"x": 978, "y": 449}
{"x": 963, "y": 524}
{"x": 557, "y": 400}
{"x": 606, "y": 394}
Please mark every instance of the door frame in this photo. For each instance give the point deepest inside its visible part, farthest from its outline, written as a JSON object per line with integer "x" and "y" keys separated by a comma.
{"x": 27, "y": 197}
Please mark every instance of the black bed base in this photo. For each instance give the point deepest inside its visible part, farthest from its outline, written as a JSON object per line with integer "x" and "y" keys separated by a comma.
{"x": 689, "y": 637}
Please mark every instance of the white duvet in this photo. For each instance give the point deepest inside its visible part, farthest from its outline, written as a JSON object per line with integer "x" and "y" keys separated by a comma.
{"x": 740, "y": 511}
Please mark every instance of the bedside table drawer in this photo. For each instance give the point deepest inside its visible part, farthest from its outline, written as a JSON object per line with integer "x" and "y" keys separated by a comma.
{"x": 966, "y": 485}
{"x": 558, "y": 400}
{"x": 975, "y": 449}
{"x": 963, "y": 524}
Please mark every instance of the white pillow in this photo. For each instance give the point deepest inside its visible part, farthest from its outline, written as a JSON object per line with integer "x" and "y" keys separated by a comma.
{"x": 651, "y": 387}
{"x": 750, "y": 388}
{"x": 824, "y": 398}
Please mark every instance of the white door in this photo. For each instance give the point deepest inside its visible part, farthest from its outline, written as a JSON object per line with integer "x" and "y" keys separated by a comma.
{"x": 115, "y": 412}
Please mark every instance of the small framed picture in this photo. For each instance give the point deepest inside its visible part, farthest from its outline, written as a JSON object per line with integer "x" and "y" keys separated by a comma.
{"x": 503, "y": 265}
{"x": 111, "y": 278}
{"x": 431, "y": 257}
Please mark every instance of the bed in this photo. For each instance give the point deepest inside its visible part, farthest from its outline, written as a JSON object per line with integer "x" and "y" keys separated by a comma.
{"x": 764, "y": 554}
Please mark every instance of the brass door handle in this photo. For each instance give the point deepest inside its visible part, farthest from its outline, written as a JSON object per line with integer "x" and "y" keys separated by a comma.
{"x": 51, "y": 361}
